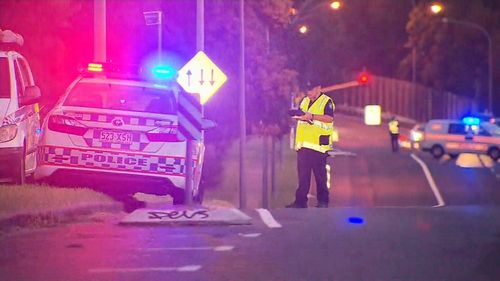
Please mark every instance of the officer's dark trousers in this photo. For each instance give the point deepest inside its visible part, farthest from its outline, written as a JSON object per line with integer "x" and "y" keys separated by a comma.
{"x": 394, "y": 142}
{"x": 308, "y": 161}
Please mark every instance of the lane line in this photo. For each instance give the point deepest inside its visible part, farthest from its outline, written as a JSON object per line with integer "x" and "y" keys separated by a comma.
{"x": 187, "y": 268}
{"x": 250, "y": 235}
{"x": 215, "y": 249}
{"x": 432, "y": 184}
{"x": 268, "y": 219}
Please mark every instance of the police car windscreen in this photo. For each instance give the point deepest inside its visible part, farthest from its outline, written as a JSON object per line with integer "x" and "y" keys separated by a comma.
{"x": 4, "y": 78}
{"x": 121, "y": 97}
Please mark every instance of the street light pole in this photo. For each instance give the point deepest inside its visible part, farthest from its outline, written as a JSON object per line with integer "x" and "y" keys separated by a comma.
{"x": 243, "y": 127}
{"x": 490, "y": 55}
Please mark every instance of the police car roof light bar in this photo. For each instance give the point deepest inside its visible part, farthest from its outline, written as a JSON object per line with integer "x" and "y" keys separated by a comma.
{"x": 471, "y": 120}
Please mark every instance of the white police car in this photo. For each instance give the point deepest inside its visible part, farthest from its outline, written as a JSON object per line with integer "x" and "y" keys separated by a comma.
{"x": 469, "y": 135}
{"x": 19, "y": 118}
{"x": 106, "y": 128}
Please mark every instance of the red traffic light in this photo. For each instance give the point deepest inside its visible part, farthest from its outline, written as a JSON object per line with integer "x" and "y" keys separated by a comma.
{"x": 363, "y": 78}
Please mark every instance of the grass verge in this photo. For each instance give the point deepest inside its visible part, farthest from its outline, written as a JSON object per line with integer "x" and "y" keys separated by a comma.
{"x": 286, "y": 174}
{"x": 37, "y": 199}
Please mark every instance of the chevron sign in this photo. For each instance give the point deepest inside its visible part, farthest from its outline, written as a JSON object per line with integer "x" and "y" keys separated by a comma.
{"x": 189, "y": 116}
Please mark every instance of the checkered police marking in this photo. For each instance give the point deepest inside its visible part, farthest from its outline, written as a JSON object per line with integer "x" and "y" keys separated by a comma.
{"x": 165, "y": 165}
{"x": 189, "y": 116}
{"x": 139, "y": 140}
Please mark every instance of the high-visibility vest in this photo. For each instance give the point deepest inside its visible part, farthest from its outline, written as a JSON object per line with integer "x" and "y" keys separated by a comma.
{"x": 394, "y": 127}
{"x": 318, "y": 135}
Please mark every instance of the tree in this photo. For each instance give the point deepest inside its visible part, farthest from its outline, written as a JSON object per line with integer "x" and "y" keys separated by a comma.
{"x": 452, "y": 57}
{"x": 55, "y": 36}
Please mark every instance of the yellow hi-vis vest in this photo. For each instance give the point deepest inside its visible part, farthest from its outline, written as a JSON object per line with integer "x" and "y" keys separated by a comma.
{"x": 394, "y": 127}
{"x": 318, "y": 135}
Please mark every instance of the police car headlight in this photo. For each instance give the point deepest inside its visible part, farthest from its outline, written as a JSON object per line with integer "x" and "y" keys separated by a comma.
{"x": 416, "y": 136}
{"x": 8, "y": 133}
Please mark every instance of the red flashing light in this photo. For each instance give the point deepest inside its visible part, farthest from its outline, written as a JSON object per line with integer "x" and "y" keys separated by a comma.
{"x": 94, "y": 67}
{"x": 363, "y": 78}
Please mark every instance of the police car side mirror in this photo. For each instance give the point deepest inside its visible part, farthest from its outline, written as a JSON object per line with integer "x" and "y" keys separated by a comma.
{"x": 31, "y": 95}
{"x": 207, "y": 124}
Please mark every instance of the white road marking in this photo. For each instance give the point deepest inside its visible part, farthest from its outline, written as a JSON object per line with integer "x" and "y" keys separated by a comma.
{"x": 215, "y": 249}
{"x": 187, "y": 268}
{"x": 250, "y": 235}
{"x": 432, "y": 184}
{"x": 268, "y": 219}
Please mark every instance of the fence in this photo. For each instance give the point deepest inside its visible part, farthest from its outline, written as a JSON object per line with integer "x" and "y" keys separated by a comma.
{"x": 404, "y": 99}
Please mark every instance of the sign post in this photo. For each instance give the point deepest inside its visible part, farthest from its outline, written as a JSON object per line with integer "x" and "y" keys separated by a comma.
{"x": 201, "y": 79}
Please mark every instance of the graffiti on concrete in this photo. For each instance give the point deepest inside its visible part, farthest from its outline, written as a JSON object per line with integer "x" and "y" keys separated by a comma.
{"x": 176, "y": 215}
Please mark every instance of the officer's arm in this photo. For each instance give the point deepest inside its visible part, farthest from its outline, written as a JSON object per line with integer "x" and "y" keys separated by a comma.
{"x": 316, "y": 117}
{"x": 328, "y": 116}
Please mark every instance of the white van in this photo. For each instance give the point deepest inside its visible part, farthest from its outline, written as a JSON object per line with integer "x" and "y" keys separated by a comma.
{"x": 19, "y": 118}
{"x": 469, "y": 135}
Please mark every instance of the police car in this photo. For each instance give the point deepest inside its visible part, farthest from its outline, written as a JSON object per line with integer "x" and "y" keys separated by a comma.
{"x": 107, "y": 127}
{"x": 469, "y": 135}
{"x": 19, "y": 118}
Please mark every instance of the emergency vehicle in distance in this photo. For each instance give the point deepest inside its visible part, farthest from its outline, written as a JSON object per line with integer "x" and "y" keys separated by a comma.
{"x": 110, "y": 126}
{"x": 19, "y": 114}
{"x": 469, "y": 135}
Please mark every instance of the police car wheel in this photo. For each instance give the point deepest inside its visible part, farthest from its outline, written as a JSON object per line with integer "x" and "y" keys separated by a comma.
{"x": 494, "y": 153}
{"x": 437, "y": 151}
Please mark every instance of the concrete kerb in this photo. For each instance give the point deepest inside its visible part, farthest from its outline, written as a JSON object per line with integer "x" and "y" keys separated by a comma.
{"x": 54, "y": 216}
{"x": 187, "y": 216}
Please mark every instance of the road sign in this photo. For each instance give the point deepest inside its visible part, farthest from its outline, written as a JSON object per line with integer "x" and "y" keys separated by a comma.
{"x": 189, "y": 116}
{"x": 201, "y": 76}
{"x": 373, "y": 115}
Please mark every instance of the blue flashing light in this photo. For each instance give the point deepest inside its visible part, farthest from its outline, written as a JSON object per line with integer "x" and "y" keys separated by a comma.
{"x": 471, "y": 121}
{"x": 355, "y": 220}
{"x": 164, "y": 72}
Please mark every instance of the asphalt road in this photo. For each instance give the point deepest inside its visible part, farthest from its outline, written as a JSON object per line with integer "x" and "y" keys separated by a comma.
{"x": 376, "y": 176}
{"x": 382, "y": 226}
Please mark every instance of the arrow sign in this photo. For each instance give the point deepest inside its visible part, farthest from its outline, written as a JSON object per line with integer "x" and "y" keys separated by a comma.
{"x": 212, "y": 82}
{"x": 201, "y": 81}
{"x": 201, "y": 67}
{"x": 188, "y": 73}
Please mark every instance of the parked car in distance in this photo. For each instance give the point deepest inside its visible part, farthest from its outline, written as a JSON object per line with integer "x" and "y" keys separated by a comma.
{"x": 452, "y": 137}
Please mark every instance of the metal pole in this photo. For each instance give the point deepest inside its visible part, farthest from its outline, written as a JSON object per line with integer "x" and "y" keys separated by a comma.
{"x": 100, "y": 30}
{"x": 200, "y": 45}
{"x": 265, "y": 160}
{"x": 242, "y": 106}
{"x": 490, "y": 78}
{"x": 160, "y": 26}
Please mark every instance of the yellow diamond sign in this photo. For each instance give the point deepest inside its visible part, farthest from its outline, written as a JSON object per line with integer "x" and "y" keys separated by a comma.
{"x": 201, "y": 76}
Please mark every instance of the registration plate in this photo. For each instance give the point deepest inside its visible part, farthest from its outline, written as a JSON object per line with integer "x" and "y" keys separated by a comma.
{"x": 115, "y": 137}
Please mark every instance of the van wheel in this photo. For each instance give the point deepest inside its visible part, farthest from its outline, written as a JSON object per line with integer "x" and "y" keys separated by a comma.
{"x": 494, "y": 153}
{"x": 437, "y": 151}
{"x": 19, "y": 175}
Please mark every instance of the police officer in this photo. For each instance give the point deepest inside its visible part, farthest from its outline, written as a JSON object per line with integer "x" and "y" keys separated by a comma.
{"x": 313, "y": 139}
{"x": 394, "y": 133}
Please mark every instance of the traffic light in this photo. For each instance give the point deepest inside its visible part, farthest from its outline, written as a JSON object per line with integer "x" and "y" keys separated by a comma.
{"x": 363, "y": 78}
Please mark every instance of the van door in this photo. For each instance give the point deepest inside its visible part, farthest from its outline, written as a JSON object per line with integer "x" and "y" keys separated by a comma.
{"x": 31, "y": 120}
